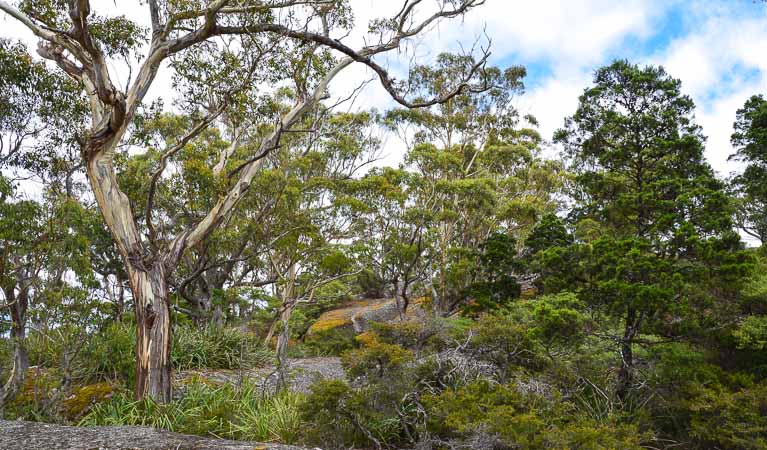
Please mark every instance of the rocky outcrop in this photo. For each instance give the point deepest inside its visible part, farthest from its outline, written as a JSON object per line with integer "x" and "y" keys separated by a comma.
{"x": 302, "y": 373}
{"x": 358, "y": 315}
{"x": 19, "y": 435}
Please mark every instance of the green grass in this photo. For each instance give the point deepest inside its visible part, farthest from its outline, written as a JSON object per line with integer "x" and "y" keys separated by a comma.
{"x": 218, "y": 411}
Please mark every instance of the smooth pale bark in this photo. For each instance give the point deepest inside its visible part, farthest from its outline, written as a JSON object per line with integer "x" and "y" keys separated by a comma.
{"x": 283, "y": 339}
{"x": 149, "y": 285}
{"x": 17, "y": 306}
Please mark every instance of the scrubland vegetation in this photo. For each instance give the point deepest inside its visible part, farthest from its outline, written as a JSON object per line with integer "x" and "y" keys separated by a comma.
{"x": 175, "y": 262}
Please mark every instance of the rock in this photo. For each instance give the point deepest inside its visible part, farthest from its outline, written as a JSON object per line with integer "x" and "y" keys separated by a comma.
{"x": 302, "y": 372}
{"x": 20, "y": 435}
{"x": 84, "y": 398}
{"x": 358, "y": 314}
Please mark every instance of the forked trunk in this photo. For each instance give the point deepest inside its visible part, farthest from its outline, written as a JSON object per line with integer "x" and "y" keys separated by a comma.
{"x": 153, "y": 334}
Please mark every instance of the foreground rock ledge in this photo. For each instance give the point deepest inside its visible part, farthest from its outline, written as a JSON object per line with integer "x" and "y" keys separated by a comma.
{"x": 19, "y": 435}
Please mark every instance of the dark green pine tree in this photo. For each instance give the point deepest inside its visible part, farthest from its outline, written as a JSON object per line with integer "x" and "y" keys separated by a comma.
{"x": 664, "y": 219}
{"x": 750, "y": 140}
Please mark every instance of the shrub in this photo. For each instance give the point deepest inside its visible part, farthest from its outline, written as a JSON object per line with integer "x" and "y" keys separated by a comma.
{"x": 519, "y": 420}
{"x": 330, "y": 342}
{"x": 375, "y": 358}
{"x": 558, "y": 320}
{"x": 110, "y": 354}
{"x": 504, "y": 342}
{"x": 339, "y": 417}
{"x": 734, "y": 420}
{"x": 752, "y": 333}
{"x": 36, "y": 399}
{"x": 433, "y": 333}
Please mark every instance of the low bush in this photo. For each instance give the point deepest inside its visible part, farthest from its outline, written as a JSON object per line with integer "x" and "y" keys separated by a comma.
{"x": 340, "y": 417}
{"x": 734, "y": 420}
{"x": 504, "y": 416}
{"x": 330, "y": 342}
{"x": 374, "y": 358}
{"x": 505, "y": 342}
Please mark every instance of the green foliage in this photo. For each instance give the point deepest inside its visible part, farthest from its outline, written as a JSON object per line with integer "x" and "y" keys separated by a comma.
{"x": 416, "y": 335}
{"x": 647, "y": 327}
{"x": 559, "y": 319}
{"x": 109, "y": 353}
{"x": 504, "y": 341}
{"x": 664, "y": 256}
{"x": 374, "y": 358}
{"x": 217, "y": 411}
{"x": 338, "y": 416}
{"x": 496, "y": 266}
{"x": 331, "y": 342}
{"x": 750, "y": 140}
{"x": 482, "y": 411}
{"x": 734, "y": 420}
{"x": 216, "y": 348}
{"x": 40, "y": 113}
{"x": 549, "y": 232}
{"x": 751, "y": 334}
{"x": 327, "y": 417}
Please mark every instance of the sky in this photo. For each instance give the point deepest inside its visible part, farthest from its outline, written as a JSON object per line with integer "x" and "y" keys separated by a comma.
{"x": 718, "y": 48}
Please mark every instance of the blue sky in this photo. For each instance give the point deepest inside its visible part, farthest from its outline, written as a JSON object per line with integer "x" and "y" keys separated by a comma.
{"x": 717, "y": 48}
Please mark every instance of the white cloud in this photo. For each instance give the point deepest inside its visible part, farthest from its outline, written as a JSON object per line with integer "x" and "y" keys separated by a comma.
{"x": 721, "y": 62}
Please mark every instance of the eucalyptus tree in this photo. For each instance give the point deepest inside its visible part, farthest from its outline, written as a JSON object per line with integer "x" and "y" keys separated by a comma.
{"x": 310, "y": 256}
{"x": 391, "y": 241}
{"x": 476, "y": 170}
{"x": 665, "y": 246}
{"x": 39, "y": 112}
{"x": 750, "y": 140}
{"x": 259, "y": 44}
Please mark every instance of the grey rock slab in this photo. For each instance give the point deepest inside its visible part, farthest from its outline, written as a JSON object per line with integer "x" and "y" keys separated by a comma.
{"x": 21, "y": 435}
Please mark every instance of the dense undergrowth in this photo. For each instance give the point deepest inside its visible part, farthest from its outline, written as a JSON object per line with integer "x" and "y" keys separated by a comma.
{"x": 529, "y": 375}
{"x": 235, "y": 412}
